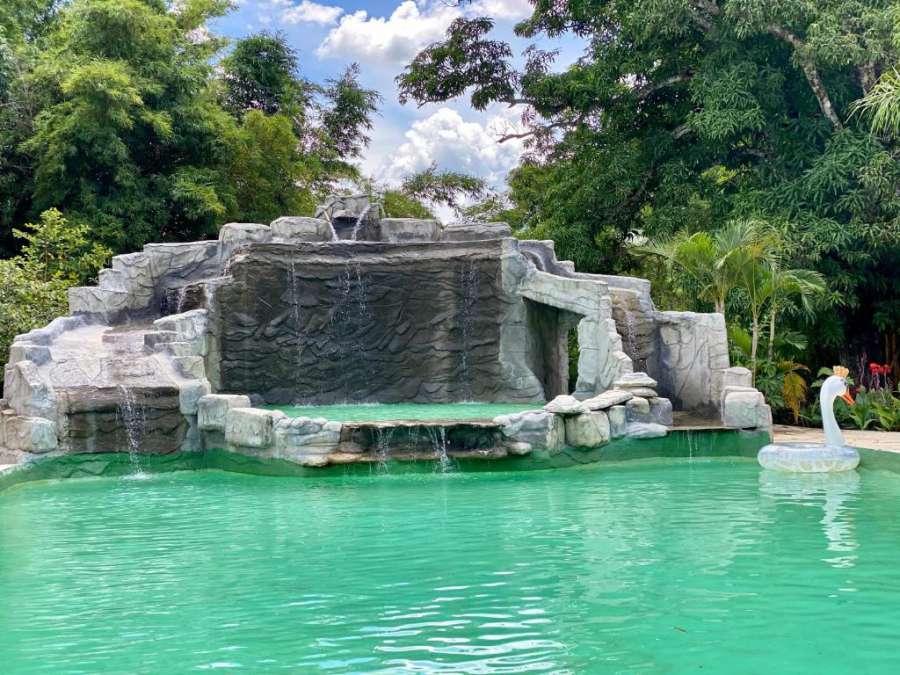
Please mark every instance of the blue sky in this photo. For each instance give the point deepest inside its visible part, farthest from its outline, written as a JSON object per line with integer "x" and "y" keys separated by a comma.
{"x": 382, "y": 36}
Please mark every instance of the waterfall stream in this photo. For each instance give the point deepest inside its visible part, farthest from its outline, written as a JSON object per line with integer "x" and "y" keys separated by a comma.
{"x": 179, "y": 304}
{"x": 360, "y": 219}
{"x": 469, "y": 284}
{"x": 133, "y": 418}
{"x": 383, "y": 446}
{"x": 438, "y": 436}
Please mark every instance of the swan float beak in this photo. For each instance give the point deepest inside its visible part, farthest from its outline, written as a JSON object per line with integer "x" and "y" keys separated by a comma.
{"x": 848, "y": 398}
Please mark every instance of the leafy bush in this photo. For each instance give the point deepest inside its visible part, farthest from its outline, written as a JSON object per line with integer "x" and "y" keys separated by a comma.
{"x": 56, "y": 256}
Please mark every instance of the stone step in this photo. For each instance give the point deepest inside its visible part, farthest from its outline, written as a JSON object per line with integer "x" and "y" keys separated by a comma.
{"x": 112, "y": 280}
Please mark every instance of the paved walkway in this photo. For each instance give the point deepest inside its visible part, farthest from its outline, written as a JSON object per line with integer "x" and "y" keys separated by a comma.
{"x": 875, "y": 440}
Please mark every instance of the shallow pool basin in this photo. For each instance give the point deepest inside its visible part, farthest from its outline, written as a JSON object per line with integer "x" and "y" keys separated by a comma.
{"x": 383, "y": 412}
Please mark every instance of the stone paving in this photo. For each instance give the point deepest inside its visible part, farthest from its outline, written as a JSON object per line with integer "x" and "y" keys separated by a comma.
{"x": 874, "y": 440}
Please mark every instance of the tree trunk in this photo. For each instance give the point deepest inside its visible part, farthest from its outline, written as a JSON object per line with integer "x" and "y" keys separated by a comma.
{"x": 720, "y": 306}
{"x": 754, "y": 346}
{"x": 811, "y": 72}
{"x": 771, "y": 348}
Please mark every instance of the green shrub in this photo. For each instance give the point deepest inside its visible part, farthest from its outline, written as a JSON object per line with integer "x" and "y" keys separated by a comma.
{"x": 57, "y": 255}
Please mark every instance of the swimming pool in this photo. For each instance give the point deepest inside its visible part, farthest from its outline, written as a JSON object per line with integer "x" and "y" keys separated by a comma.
{"x": 663, "y": 566}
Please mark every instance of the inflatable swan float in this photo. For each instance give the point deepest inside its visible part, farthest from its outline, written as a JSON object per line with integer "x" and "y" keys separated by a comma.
{"x": 832, "y": 457}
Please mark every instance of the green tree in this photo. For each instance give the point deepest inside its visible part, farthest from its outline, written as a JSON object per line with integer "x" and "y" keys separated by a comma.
{"x": 57, "y": 254}
{"x": 399, "y": 204}
{"x": 330, "y": 122}
{"x": 262, "y": 74}
{"x": 444, "y": 187}
{"x": 130, "y": 125}
{"x": 712, "y": 261}
{"x": 881, "y": 105}
{"x": 785, "y": 287}
{"x": 685, "y": 114}
{"x": 268, "y": 173}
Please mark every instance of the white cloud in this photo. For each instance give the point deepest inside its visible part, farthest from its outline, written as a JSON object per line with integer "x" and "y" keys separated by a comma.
{"x": 509, "y": 10}
{"x": 447, "y": 140}
{"x": 309, "y": 12}
{"x": 395, "y": 39}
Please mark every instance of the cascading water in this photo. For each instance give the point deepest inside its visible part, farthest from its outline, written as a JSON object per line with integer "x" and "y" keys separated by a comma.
{"x": 438, "y": 436}
{"x": 469, "y": 282}
{"x": 360, "y": 219}
{"x": 383, "y": 446}
{"x": 327, "y": 218}
{"x": 179, "y": 303}
{"x": 295, "y": 315}
{"x": 133, "y": 419}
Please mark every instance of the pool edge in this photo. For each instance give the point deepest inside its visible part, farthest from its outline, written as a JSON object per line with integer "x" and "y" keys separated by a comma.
{"x": 713, "y": 443}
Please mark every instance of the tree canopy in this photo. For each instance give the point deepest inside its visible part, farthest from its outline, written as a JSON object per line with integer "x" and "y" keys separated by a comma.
{"x": 114, "y": 112}
{"x": 683, "y": 115}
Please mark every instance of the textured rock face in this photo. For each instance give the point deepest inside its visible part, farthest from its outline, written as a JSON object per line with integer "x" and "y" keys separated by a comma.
{"x": 642, "y": 430}
{"x": 534, "y": 429}
{"x": 299, "y": 229}
{"x": 566, "y": 405}
{"x": 692, "y": 349}
{"x": 97, "y": 420}
{"x": 633, "y": 313}
{"x": 301, "y": 437}
{"x": 138, "y": 281}
{"x": 402, "y": 230}
{"x": 251, "y": 428}
{"x": 588, "y": 430}
{"x": 408, "y": 311}
{"x": 363, "y": 322}
{"x": 212, "y": 410}
{"x": 476, "y": 231}
{"x": 608, "y": 399}
{"x": 618, "y": 421}
{"x": 600, "y": 358}
{"x": 745, "y": 408}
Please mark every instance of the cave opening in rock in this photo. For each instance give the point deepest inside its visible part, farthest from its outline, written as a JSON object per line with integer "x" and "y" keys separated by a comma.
{"x": 553, "y": 333}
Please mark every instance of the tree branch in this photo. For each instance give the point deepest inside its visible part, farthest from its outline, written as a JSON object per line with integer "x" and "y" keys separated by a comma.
{"x": 542, "y": 129}
{"x": 645, "y": 92}
{"x": 806, "y": 61}
{"x": 811, "y": 72}
{"x": 867, "y": 76}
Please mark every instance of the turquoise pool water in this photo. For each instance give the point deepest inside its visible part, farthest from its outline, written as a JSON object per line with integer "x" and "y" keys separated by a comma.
{"x": 663, "y": 567}
{"x": 378, "y": 412}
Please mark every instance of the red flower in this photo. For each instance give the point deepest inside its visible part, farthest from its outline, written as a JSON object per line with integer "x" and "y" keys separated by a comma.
{"x": 874, "y": 368}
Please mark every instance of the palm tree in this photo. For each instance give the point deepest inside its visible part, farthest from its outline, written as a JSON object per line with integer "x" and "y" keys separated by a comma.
{"x": 745, "y": 255}
{"x": 786, "y": 286}
{"x": 881, "y": 105}
{"x": 707, "y": 258}
{"x": 749, "y": 264}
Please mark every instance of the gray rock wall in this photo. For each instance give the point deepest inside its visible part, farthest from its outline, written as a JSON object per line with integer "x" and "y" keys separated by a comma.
{"x": 322, "y": 323}
{"x": 693, "y": 350}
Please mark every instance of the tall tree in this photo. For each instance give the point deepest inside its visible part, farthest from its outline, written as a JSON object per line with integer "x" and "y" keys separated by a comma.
{"x": 330, "y": 122}
{"x": 262, "y": 73}
{"x": 131, "y": 139}
{"x": 684, "y": 114}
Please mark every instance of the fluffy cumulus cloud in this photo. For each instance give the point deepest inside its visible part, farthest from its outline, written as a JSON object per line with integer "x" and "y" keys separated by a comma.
{"x": 509, "y": 10}
{"x": 446, "y": 139}
{"x": 393, "y": 39}
{"x": 310, "y": 12}
{"x": 293, "y": 11}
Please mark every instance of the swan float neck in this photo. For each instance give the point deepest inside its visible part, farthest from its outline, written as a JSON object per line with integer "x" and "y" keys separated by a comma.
{"x": 833, "y": 388}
